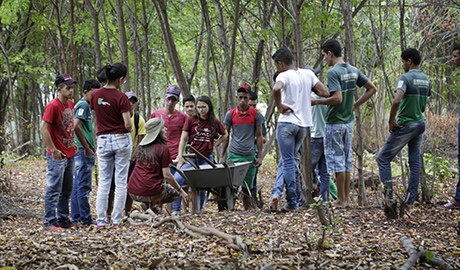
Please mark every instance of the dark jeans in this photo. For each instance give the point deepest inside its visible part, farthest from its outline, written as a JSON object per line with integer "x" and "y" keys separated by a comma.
{"x": 80, "y": 208}
{"x": 411, "y": 135}
{"x": 59, "y": 180}
{"x": 318, "y": 161}
{"x": 457, "y": 191}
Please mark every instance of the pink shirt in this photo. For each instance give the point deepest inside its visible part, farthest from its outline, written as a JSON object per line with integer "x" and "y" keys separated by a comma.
{"x": 173, "y": 125}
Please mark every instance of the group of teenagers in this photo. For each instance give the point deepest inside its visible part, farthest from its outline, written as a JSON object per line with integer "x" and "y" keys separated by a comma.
{"x": 135, "y": 156}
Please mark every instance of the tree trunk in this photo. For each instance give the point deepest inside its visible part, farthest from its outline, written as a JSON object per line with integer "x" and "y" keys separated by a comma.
{"x": 205, "y": 12}
{"x": 347, "y": 11}
{"x": 123, "y": 42}
{"x": 296, "y": 7}
{"x": 228, "y": 88}
{"x": 402, "y": 31}
{"x": 108, "y": 45}
{"x": 96, "y": 38}
{"x": 137, "y": 50}
{"x": 146, "y": 95}
{"x": 160, "y": 7}
{"x": 257, "y": 65}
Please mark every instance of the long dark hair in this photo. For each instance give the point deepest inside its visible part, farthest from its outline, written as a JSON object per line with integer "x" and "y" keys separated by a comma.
{"x": 211, "y": 116}
{"x": 146, "y": 155}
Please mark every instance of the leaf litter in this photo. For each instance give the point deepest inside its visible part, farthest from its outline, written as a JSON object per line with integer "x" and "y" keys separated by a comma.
{"x": 361, "y": 239}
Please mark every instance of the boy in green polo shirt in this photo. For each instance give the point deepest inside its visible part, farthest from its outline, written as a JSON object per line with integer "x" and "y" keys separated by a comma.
{"x": 406, "y": 124}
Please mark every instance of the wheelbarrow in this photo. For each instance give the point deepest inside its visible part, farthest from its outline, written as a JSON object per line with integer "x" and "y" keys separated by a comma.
{"x": 223, "y": 179}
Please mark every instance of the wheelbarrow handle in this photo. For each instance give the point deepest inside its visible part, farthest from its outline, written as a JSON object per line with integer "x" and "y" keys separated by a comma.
{"x": 203, "y": 157}
{"x": 172, "y": 166}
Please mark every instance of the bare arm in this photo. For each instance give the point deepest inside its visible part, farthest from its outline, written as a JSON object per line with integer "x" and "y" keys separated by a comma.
{"x": 182, "y": 143}
{"x": 392, "y": 125}
{"x": 283, "y": 109}
{"x": 370, "y": 91}
{"x": 81, "y": 137}
{"x": 223, "y": 155}
{"x": 335, "y": 99}
{"x": 221, "y": 139}
{"x": 170, "y": 179}
{"x": 127, "y": 121}
{"x": 57, "y": 154}
{"x": 321, "y": 90}
{"x": 259, "y": 142}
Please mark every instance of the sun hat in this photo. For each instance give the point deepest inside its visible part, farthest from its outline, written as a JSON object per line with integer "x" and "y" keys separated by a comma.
{"x": 152, "y": 129}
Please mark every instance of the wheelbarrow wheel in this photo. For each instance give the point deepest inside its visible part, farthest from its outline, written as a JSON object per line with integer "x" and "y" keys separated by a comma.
{"x": 226, "y": 200}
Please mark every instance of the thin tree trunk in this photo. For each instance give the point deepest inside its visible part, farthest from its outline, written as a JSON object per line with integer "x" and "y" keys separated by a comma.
{"x": 123, "y": 42}
{"x": 228, "y": 88}
{"x": 160, "y": 7}
{"x": 96, "y": 37}
{"x": 257, "y": 65}
{"x": 10, "y": 92}
{"x": 136, "y": 48}
{"x": 402, "y": 31}
{"x": 347, "y": 7}
{"x": 205, "y": 12}
{"x": 146, "y": 95}
{"x": 197, "y": 55}
{"x": 72, "y": 62}
{"x": 108, "y": 45}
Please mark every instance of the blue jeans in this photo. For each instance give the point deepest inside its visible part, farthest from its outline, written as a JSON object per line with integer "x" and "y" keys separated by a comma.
{"x": 290, "y": 138}
{"x": 203, "y": 195}
{"x": 318, "y": 161}
{"x": 411, "y": 135}
{"x": 79, "y": 203}
{"x": 457, "y": 190}
{"x": 113, "y": 150}
{"x": 58, "y": 189}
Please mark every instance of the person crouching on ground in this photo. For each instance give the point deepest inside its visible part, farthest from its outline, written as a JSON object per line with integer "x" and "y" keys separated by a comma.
{"x": 147, "y": 182}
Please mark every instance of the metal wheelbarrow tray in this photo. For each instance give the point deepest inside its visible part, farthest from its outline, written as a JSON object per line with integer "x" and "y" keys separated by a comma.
{"x": 221, "y": 175}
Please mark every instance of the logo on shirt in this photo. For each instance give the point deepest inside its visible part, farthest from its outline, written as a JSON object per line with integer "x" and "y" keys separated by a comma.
{"x": 419, "y": 82}
{"x": 100, "y": 101}
{"x": 349, "y": 77}
{"x": 400, "y": 84}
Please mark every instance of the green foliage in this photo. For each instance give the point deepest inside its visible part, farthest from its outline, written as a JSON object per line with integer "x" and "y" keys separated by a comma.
{"x": 438, "y": 166}
{"x": 429, "y": 255}
{"x": 10, "y": 10}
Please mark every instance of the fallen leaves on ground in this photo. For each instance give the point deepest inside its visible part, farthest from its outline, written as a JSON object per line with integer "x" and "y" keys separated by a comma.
{"x": 361, "y": 239}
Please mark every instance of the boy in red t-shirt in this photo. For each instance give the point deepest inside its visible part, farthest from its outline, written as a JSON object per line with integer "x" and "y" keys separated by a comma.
{"x": 174, "y": 119}
{"x": 57, "y": 130}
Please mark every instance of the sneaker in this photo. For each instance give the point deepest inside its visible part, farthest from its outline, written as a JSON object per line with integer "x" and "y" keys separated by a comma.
{"x": 66, "y": 224}
{"x": 53, "y": 228}
{"x": 451, "y": 205}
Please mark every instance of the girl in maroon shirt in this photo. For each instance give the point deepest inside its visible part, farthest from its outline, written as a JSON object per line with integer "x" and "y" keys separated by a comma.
{"x": 147, "y": 182}
{"x": 200, "y": 131}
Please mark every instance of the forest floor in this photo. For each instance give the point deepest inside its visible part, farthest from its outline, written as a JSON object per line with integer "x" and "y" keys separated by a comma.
{"x": 362, "y": 238}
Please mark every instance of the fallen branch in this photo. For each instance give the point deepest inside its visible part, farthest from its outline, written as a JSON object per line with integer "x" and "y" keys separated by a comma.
{"x": 232, "y": 241}
{"x": 19, "y": 158}
{"x": 416, "y": 253}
